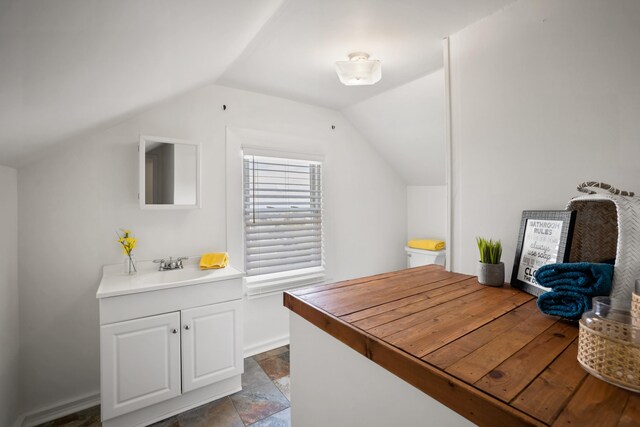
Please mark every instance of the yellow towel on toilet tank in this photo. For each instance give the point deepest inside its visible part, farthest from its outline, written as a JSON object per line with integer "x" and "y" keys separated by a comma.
{"x": 214, "y": 260}
{"x": 426, "y": 244}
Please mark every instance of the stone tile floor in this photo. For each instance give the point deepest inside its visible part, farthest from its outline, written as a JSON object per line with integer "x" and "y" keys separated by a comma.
{"x": 263, "y": 401}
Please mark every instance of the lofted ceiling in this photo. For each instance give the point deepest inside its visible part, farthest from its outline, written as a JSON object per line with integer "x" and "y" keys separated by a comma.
{"x": 406, "y": 125}
{"x": 69, "y": 66}
{"x": 293, "y": 55}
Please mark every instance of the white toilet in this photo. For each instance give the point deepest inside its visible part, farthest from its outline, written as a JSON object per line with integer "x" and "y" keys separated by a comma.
{"x": 419, "y": 257}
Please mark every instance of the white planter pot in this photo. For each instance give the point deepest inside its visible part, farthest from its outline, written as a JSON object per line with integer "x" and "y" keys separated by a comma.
{"x": 491, "y": 274}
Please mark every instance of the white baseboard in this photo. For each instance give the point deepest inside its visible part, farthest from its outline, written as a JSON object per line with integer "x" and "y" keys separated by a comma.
{"x": 266, "y": 345}
{"x": 58, "y": 410}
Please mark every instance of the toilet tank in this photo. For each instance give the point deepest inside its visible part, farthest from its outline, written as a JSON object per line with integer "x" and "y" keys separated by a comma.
{"x": 419, "y": 257}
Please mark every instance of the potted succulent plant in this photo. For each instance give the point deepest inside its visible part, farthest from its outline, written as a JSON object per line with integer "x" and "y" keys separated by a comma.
{"x": 490, "y": 268}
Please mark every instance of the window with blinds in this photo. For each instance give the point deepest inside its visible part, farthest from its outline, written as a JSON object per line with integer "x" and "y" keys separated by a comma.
{"x": 282, "y": 214}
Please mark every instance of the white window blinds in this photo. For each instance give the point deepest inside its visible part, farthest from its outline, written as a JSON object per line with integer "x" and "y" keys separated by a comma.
{"x": 282, "y": 214}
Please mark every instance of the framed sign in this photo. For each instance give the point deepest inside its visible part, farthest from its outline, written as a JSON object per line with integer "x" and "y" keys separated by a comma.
{"x": 544, "y": 238}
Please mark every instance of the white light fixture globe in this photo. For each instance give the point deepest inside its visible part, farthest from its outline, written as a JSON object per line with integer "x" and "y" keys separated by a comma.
{"x": 359, "y": 70}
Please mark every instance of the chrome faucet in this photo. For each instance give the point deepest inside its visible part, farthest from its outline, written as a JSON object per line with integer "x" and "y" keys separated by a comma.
{"x": 171, "y": 264}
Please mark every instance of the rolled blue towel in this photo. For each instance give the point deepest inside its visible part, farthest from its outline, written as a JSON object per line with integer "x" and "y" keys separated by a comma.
{"x": 569, "y": 305}
{"x": 590, "y": 279}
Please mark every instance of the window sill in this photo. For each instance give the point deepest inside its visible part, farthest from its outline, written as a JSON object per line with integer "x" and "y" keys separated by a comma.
{"x": 269, "y": 284}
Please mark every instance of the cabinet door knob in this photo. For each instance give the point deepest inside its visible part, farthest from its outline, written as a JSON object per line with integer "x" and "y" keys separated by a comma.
{"x": 187, "y": 327}
{"x": 174, "y": 331}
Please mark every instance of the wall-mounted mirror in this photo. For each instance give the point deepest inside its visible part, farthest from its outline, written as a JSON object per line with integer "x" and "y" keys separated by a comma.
{"x": 169, "y": 173}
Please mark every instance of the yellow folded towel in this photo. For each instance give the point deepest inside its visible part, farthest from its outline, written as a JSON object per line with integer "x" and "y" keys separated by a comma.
{"x": 426, "y": 244}
{"x": 214, "y": 260}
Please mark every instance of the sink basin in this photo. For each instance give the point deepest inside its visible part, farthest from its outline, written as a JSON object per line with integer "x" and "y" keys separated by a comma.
{"x": 170, "y": 277}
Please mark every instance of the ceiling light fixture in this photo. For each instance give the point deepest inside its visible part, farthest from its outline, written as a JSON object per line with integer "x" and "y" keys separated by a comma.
{"x": 359, "y": 70}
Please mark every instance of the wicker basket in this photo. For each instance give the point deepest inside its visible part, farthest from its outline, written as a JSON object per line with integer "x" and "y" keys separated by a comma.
{"x": 608, "y": 350}
{"x": 607, "y": 227}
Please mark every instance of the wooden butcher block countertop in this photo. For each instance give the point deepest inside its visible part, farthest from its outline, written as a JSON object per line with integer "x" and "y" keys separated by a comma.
{"x": 487, "y": 353}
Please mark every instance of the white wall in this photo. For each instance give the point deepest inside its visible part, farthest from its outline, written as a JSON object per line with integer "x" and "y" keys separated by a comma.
{"x": 9, "y": 332}
{"x": 427, "y": 211}
{"x": 76, "y": 196}
{"x": 545, "y": 95}
{"x": 406, "y": 125}
{"x": 336, "y": 386}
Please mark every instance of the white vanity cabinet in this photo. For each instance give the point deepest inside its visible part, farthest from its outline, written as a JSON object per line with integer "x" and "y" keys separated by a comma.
{"x": 165, "y": 346}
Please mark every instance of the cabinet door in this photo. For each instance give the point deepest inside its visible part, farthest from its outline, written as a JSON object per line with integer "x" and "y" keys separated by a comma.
{"x": 140, "y": 363}
{"x": 211, "y": 344}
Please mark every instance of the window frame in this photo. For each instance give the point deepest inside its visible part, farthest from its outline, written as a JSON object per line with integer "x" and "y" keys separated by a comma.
{"x": 271, "y": 192}
{"x": 237, "y": 147}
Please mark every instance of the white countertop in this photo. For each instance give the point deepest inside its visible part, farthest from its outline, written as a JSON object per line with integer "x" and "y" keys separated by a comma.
{"x": 116, "y": 282}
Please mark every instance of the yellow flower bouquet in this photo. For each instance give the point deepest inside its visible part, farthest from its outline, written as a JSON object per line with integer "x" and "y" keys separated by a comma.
{"x": 128, "y": 243}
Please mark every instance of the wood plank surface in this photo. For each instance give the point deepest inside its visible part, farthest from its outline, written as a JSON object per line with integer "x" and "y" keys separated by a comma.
{"x": 351, "y": 282}
{"x": 425, "y": 338}
{"x": 547, "y": 395}
{"x": 595, "y": 403}
{"x": 386, "y": 313}
{"x": 487, "y": 353}
{"x": 457, "y": 350}
{"x": 631, "y": 414}
{"x": 515, "y": 373}
{"x": 449, "y": 285}
{"x": 363, "y": 296}
{"x": 452, "y": 307}
{"x": 483, "y": 360}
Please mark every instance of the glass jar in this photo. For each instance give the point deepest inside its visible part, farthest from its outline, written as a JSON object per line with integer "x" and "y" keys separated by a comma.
{"x": 607, "y": 308}
{"x": 609, "y": 343}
